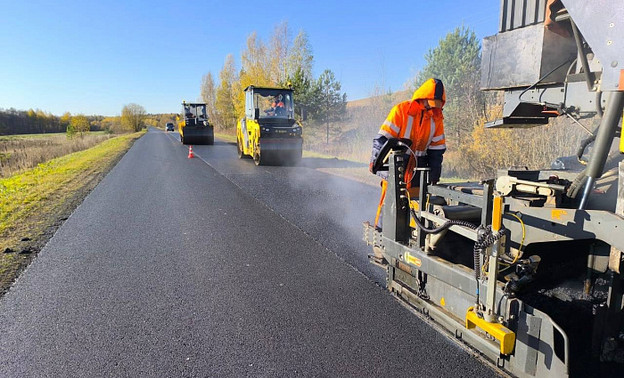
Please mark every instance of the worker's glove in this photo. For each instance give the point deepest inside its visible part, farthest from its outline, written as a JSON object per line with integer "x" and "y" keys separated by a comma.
{"x": 382, "y": 174}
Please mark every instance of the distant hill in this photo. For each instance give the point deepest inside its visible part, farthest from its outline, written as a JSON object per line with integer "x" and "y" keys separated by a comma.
{"x": 395, "y": 98}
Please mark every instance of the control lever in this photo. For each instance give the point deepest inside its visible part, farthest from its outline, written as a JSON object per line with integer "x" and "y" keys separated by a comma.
{"x": 393, "y": 144}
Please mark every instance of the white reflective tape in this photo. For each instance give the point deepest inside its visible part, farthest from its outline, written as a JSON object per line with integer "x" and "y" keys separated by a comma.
{"x": 438, "y": 138}
{"x": 386, "y": 134}
{"x": 440, "y": 147}
{"x": 431, "y": 130}
{"x": 408, "y": 129}
{"x": 420, "y": 153}
{"x": 391, "y": 125}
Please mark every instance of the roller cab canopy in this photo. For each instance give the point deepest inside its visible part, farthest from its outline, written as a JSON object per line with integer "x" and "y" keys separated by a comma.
{"x": 194, "y": 110}
{"x": 260, "y": 104}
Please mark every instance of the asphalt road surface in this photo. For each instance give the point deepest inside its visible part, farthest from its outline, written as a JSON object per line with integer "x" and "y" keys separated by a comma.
{"x": 176, "y": 267}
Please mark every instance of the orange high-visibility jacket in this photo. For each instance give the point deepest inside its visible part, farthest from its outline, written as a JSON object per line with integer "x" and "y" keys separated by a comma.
{"x": 425, "y": 127}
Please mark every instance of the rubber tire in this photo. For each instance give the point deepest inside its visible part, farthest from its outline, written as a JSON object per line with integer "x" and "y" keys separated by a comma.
{"x": 258, "y": 158}
{"x": 239, "y": 149}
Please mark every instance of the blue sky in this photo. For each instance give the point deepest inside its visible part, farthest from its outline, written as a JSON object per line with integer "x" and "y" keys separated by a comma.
{"x": 93, "y": 57}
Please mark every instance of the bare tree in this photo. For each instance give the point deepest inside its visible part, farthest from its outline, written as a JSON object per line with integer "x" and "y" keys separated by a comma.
{"x": 300, "y": 56}
{"x": 280, "y": 45}
{"x": 209, "y": 94}
{"x": 132, "y": 117}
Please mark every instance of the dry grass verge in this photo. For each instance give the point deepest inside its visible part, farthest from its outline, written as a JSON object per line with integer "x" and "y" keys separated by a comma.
{"x": 35, "y": 203}
{"x": 19, "y": 153}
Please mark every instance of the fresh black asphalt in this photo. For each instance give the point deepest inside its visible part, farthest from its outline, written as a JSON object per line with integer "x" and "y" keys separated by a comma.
{"x": 176, "y": 267}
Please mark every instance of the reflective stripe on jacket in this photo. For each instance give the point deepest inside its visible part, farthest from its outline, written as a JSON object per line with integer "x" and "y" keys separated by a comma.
{"x": 411, "y": 120}
{"x": 424, "y": 127}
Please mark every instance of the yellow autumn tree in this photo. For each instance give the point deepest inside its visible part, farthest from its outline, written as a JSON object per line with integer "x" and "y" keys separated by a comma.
{"x": 255, "y": 70}
{"x": 78, "y": 126}
{"x": 226, "y": 96}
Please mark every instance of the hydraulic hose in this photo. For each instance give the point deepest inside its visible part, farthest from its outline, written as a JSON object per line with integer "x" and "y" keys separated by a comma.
{"x": 598, "y": 105}
{"x": 443, "y": 227}
{"x": 589, "y": 76}
{"x": 485, "y": 238}
{"x": 581, "y": 178}
{"x": 581, "y": 150}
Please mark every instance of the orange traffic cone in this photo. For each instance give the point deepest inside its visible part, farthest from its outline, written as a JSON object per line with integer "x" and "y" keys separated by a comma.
{"x": 191, "y": 155}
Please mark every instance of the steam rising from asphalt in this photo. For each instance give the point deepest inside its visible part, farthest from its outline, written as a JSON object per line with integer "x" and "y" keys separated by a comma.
{"x": 333, "y": 209}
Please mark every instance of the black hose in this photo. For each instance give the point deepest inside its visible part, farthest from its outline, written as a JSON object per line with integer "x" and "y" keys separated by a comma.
{"x": 476, "y": 256}
{"x": 581, "y": 178}
{"x": 578, "y": 38}
{"x": 586, "y": 142}
{"x": 577, "y": 184}
{"x": 598, "y": 105}
{"x": 540, "y": 80}
{"x": 485, "y": 238}
{"x": 446, "y": 225}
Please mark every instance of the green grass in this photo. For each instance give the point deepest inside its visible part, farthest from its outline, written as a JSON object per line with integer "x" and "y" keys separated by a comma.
{"x": 27, "y": 192}
{"x": 29, "y": 136}
{"x": 33, "y": 202}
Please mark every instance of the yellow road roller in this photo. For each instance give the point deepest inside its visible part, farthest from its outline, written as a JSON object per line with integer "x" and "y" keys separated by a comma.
{"x": 193, "y": 124}
{"x": 269, "y": 132}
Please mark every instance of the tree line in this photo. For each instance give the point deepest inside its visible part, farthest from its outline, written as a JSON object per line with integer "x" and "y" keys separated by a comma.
{"x": 279, "y": 63}
{"x": 133, "y": 118}
{"x": 472, "y": 150}
{"x": 30, "y": 121}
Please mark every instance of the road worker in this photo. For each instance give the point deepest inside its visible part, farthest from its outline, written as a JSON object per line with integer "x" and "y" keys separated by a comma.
{"x": 420, "y": 120}
{"x": 278, "y": 105}
{"x": 188, "y": 112}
